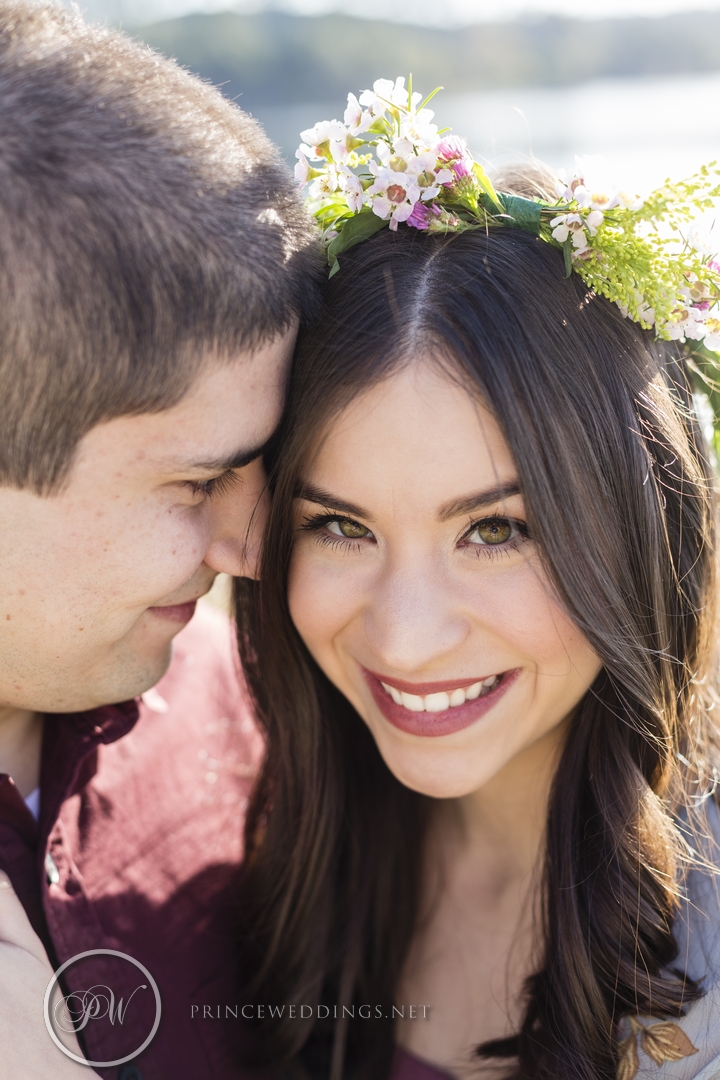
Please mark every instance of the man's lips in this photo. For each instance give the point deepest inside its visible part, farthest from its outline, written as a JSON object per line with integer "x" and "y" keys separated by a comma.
{"x": 180, "y": 613}
{"x": 442, "y": 720}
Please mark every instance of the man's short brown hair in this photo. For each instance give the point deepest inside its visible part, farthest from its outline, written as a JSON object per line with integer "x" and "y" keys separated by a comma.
{"x": 145, "y": 223}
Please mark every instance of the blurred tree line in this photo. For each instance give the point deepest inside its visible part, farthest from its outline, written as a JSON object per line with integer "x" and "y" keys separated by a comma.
{"x": 274, "y": 58}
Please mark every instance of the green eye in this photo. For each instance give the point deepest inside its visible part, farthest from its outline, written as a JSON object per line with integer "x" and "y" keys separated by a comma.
{"x": 492, "y": 531}
{"x": 351, "y": 530}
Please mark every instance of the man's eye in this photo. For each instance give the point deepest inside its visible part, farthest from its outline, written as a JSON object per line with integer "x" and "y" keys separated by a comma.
{"x": 492, "y": 531}
{"x": 351, "y": 530}
{"x": 216, "y": 485}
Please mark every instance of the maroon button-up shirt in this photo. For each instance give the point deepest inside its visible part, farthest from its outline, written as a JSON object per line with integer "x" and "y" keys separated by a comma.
{"x": 136, "y": 848}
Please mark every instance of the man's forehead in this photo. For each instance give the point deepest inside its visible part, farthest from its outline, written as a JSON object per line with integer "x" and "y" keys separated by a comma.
{"x": 235, "y": 459}
{"x": 228, "y": 435}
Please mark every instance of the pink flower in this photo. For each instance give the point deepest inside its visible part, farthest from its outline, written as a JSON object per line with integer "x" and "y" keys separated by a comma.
{"x": 453, "y": 151}
{"x": 422, "y": 215}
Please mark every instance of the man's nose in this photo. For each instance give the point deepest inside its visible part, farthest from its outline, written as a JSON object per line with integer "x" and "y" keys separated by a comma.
{"x": 238, "y": 520}
{"x": 411, "y": 621}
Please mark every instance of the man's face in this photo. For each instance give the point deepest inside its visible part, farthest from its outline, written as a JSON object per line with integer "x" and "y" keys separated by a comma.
{"x": 96, "y": 581}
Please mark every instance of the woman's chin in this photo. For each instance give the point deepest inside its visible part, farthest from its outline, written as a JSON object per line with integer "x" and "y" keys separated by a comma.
{"x": 439, "y": 774}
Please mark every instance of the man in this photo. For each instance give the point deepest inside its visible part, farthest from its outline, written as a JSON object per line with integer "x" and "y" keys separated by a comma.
{"x": 154, "y": 265}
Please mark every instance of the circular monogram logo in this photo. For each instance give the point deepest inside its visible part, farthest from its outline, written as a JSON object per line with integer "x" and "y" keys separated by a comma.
{"x": 106, "y": 1003}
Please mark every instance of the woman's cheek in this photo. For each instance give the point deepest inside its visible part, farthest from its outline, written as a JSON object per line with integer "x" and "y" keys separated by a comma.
{"x": 323, "y": 596}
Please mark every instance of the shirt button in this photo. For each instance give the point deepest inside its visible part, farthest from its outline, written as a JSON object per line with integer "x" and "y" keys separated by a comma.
{"x": 53, "y": 874}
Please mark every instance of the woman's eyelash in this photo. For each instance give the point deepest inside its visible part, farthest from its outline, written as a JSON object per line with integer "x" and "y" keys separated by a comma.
{"x": 519, "y": 535}
{"x": 311, "y": 522}
{"x": 216, "y": 485}
{"x": 315, "y": 522}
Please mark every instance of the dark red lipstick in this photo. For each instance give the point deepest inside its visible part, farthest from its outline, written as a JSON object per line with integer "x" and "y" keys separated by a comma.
{"x": 445, "y": 721}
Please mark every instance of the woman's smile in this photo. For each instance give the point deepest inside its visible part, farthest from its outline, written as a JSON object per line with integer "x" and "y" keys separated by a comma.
{"x": 417, "y": 586}
{"x": 433, "y": 709}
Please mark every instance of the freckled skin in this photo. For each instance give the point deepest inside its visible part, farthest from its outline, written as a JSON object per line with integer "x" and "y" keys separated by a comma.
{"x": 127, "y": 534}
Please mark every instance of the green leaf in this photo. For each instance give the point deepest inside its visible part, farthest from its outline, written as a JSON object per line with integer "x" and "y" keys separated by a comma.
{"x": 525, "y": 213}
{"x": 353, "y": 231}
{"x": 429, "y": 98}
{"x": 567, "y": 253}
{"x": 486, "y": 184}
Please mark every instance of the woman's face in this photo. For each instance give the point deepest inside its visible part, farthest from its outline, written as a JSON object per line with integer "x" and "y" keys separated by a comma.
{"x": 418, "y": 590}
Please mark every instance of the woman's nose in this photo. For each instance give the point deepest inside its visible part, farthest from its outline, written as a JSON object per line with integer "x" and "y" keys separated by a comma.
{"x": 411, "y": 621}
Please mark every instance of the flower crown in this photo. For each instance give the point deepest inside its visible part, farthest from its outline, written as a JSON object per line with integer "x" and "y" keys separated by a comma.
{"x": 645, "y": 255}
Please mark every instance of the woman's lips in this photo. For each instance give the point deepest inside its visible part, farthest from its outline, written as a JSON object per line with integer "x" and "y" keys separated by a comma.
{"x": 439, "y": 719}
{"x": 180, "y": 613}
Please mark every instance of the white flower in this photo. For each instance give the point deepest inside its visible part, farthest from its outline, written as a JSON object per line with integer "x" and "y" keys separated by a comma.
{"x": 324, "y": 132}
{"x": 326, "y": 184}
{"x": 393, "y": 196}
{"x": 386, "y": 92}
{"x": 340, "y": 151}
{"x": 565, "y": 225}
{"x": 700, "y": 240}
{"x": 695, "y": 325}
{"x": 352, "y": 189}
{"x": 592, "y": 187}
{"x": 712, "y": 337}
{"x": 302, "y": 169}
{"x": 423, "y": 168}
{"x": 594, "y": 220}
{"x": 417, "y": 128}
{"x": 356, "y": 118}
{"x": 688, "y": 324}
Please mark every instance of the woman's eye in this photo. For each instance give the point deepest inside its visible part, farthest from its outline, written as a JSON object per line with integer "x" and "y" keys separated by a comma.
{"x": 493, "y": 531}
{"x": 351, "y": 530}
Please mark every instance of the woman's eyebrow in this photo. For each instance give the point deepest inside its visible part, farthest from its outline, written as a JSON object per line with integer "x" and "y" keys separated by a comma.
{"x": 482, "y": 498}
{"x": 325, "y": 498}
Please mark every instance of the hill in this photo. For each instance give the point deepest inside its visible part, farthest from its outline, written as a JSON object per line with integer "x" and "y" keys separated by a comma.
{"x": 274, "y": 58}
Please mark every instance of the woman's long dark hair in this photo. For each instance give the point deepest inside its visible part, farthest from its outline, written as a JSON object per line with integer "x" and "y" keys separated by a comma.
{"x": 599, "y": 420}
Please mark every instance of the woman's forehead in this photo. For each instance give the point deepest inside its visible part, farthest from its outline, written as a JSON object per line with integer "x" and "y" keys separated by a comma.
{"x": 418, "y": 435}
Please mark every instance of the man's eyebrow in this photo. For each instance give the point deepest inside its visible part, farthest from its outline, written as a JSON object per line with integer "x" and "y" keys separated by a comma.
{"x": 325, "y": 498}
{"x": 237, "y": 460}
{"x": 477, "y": 501}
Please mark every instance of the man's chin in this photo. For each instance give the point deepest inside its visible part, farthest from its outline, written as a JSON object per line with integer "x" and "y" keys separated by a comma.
{"x": 130, "y": 677}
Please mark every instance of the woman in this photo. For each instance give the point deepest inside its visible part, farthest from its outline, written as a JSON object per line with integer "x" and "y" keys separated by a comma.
{"x": 484, "y": 840}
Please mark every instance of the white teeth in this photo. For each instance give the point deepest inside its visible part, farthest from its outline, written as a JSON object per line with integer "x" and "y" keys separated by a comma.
{"x": 441, "y": 701}
{"x": 437, "y": 702}
{"x": 413, "y": 702}
{"x": 394, "y": 694}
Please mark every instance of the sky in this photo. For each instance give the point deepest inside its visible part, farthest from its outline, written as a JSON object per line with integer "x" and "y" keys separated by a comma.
{"x": 427, "y": 12}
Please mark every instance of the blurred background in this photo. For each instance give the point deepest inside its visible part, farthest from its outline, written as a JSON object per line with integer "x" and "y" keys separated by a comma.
{"x": 634, "y": 81}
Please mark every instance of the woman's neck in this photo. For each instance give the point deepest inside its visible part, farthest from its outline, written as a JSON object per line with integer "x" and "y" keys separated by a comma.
{"x": 502, "y": 826}
{"x": 476, "y": 942}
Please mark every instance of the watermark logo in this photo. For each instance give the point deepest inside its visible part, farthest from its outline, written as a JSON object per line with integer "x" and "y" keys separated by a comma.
{"x": 96, "y": 1004}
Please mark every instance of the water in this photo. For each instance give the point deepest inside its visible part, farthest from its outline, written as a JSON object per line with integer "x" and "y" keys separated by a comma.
{"x": 647, "y": 129}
